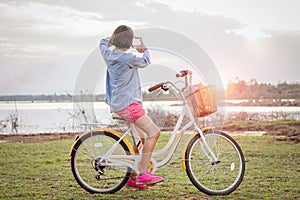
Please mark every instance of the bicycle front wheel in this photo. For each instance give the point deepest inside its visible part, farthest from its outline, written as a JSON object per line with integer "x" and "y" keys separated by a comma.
{"x": 219, "y": 177}
{"x": 93, "y": 173}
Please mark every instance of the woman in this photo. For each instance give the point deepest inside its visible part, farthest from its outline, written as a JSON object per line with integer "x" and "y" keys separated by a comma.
{"x": 124, "y": 95}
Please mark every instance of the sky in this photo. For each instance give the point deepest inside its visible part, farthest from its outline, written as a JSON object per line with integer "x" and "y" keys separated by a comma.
{"x": 43, "y": 44}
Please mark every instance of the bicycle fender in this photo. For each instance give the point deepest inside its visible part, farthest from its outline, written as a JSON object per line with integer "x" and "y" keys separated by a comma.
{"x": 105, "y": 130}
{"x": 187, "y": 143}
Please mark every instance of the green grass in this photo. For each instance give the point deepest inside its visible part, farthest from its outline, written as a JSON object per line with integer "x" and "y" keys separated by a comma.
{"x": 39, "y": 171}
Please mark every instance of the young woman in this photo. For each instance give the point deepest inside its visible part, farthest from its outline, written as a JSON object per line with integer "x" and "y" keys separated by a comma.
{"x": 124, "y": 95}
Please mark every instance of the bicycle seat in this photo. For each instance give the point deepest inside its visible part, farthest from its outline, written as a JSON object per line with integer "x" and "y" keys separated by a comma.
{"x": 117, "y": 117}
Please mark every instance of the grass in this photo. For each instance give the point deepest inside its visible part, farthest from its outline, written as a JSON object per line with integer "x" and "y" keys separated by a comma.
{"x": 39, "y": 171}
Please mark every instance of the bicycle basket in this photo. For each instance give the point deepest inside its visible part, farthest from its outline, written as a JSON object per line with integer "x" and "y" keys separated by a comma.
{"x": 201, "y": 100}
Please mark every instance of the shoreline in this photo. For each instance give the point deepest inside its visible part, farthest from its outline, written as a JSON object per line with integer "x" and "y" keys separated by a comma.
{"x": 281, "y": 104}
{"x": 286, "y": 130}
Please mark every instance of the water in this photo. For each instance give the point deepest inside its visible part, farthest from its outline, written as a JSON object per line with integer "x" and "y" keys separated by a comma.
{"x": 63, "y": 116}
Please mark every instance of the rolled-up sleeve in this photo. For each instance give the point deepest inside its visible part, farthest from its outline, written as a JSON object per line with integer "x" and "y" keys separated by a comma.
{"x": 140, "y": 62}
{"x": 104, "y": 47}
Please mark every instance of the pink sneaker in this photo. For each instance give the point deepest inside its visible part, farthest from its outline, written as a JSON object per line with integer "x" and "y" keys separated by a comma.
{"x": 132, "y": 183}
{"x": 148, "y": 179}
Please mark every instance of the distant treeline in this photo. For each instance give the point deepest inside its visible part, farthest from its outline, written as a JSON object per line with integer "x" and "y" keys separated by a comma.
{"x": 77, "y": 98}
{"x": 52, "y": 98}
{"x": 240, "y": 89}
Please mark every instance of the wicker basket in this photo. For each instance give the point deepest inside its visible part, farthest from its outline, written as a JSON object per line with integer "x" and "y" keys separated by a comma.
{"x": 201, "y": 100}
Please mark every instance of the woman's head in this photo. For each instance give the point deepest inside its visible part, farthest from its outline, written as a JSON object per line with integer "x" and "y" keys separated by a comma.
{"x": 122, "y": 37}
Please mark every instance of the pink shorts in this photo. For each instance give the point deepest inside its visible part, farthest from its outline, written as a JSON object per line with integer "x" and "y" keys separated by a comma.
{"x": 133, "y": 112}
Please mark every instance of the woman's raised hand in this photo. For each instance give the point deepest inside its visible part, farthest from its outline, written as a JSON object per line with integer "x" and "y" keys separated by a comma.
{"x": 140, "y": 47}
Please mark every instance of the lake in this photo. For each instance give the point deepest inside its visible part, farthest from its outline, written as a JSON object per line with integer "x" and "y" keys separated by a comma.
{"x": 45, "y": 117}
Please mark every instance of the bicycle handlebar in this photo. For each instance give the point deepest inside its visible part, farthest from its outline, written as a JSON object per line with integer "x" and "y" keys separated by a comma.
{"x": 182, "y": 73}
{"x": 155, "y": 87}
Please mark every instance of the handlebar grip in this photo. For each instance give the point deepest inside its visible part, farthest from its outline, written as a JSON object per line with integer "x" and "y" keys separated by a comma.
{"x": 155, "y": 87}
{"x": 182, "y": 73}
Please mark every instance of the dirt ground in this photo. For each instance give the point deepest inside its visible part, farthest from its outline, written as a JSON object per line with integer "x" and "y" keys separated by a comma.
{"x": 31, "y": 138}
{"x": 281, "y": 132}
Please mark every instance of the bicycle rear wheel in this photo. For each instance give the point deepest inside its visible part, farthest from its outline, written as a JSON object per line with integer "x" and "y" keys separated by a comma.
{"x": 92, "y": 174}
{"x": 215, "y": 178}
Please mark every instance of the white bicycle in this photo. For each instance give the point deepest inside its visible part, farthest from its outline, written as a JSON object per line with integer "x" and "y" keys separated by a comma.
{"x": 103, "y": 159}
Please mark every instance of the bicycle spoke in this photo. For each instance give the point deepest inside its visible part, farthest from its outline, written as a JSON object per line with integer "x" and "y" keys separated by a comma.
{"x": 220, "y": 177}
{"x": 93, "y": 173}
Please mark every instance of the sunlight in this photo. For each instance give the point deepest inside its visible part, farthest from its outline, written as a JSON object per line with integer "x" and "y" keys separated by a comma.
{"x": 249, "y": 33}
{"x": 254, "y": 34}
{"x": 254, "y": 39}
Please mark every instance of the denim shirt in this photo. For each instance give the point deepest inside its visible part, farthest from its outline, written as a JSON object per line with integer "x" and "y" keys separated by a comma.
{"x": 122, "y": 78}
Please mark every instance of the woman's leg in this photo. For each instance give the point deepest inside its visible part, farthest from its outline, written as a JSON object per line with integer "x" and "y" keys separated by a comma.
{"x": 132, "y": 180}
{"x": 135, "y": 148}
{"x": 146, "y": 124}
{"x": 142, "y": 137}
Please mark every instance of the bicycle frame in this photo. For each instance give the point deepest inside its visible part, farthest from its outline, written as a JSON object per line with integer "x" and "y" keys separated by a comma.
{"x": 132, "y": 161}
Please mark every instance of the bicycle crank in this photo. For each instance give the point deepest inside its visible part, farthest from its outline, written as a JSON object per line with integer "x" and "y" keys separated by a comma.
{"x": 216, "y": 162}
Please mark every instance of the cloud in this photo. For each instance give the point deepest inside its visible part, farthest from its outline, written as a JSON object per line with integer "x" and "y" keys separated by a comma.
{"x": 281, "y": 54}
{"x": 56, "y": 24}
{"x": 38, "y": 76}
{"x": 57, "y": 36}
{"x": 47, "y": 18}
{"x": 38, "y": 29}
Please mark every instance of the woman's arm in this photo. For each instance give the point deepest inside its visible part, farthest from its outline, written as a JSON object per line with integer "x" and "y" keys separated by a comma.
{"x": 104, "y": 47}
{"x": 140, "y": 62}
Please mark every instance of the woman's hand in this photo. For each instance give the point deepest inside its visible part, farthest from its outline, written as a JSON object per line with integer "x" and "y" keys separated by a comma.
{"x": 140, "y": 47}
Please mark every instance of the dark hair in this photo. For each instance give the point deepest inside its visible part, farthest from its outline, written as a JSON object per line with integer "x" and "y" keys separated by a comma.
{"x": 122, "y": 37}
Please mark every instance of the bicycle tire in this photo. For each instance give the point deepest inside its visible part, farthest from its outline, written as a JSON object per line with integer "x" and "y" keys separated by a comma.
{"x": 219, "y": 178}
{"x": 87, "y": 151}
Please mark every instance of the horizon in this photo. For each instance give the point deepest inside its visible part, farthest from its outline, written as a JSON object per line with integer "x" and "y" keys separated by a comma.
{"x": 69, "y": 93}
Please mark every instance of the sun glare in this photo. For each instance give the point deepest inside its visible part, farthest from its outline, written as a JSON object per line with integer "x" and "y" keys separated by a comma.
{"x": 254, "y": 34}
{"x": 249, "y": 33}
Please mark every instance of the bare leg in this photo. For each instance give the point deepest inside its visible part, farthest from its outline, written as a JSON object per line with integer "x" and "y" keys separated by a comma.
{"x": 135, "y": 148}
{"x": 153, "y": 132}
{"x": 142, "y": 137}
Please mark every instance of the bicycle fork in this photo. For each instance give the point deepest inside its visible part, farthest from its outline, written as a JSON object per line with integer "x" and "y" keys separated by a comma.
{"x": 206, "y": 148}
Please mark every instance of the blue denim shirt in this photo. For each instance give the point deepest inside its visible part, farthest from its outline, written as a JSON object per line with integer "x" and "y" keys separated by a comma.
{"x": 122, "y": 77}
